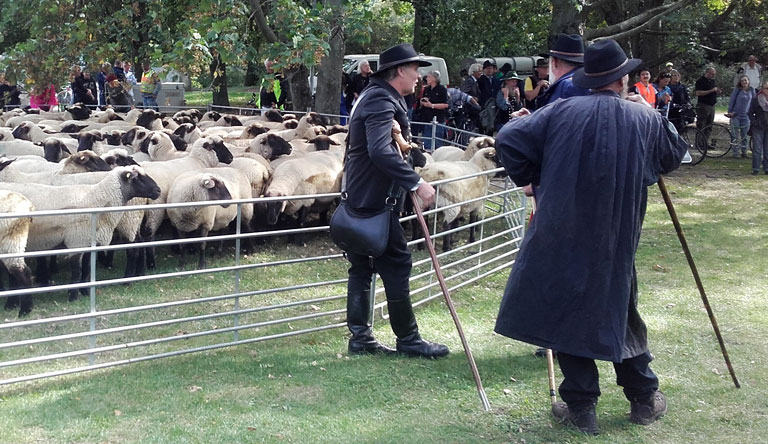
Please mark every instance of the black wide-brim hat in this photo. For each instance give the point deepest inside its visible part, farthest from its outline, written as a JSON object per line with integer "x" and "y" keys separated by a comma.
{"x": 604, "y": 63}
{"x": 568, "y": 47}
{"x": 399, "y": 55}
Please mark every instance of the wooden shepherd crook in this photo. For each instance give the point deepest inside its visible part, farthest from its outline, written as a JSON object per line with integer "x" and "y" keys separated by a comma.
{"x": 449, "y": 302}
{"x": 684, "y": 243}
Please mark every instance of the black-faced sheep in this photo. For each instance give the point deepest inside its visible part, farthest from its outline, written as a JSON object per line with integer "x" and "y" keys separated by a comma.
{"x": 315, "y": 173}
{"x": 118, "y": 187}
{"x": 463, "y": 190}
{"x": 198, "y": 186}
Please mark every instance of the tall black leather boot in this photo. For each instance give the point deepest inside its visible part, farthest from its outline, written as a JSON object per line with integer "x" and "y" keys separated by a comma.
{"x": 409, "y": 341}
{"x": 359, "y": 324}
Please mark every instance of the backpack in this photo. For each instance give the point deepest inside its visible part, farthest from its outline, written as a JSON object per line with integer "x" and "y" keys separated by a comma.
{"x": 488, "y": 115}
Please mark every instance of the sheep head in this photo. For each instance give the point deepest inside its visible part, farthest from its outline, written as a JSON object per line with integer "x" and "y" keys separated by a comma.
{"x": 5, "y": 161}
{"x": 254, "y": 129}
{"x": 89, "y": 161}
{"x": 274, "y": 208}
{"x": 86, "y": 139}
{"x": 118, "y": 157}
{"x": 22, "y": 131}
{"x": 54, "y": 149}
{"x": 216, "y": 144}
{"x": 273, "y": 116}
{"x": 216, "y": 189}
{"x": 134, "y": 182}
{"x": 270, "y": 146}
{"x": 486, "y": 159}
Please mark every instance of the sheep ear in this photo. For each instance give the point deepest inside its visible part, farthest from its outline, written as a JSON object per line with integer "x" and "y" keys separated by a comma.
{"x": 207, "y": 145}
{"x": 99, "y": 136}
{"x": 4, "y": 162}
{"x": 332, "y": 142}
{"x": 81, "y": 159}
{"x": 209, "y": 183}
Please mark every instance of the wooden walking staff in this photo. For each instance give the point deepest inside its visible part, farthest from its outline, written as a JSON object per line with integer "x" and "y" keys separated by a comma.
{"x": 549, "y": 353}
{"x": 449, "y": 302}
{"x": 689, "y": 257}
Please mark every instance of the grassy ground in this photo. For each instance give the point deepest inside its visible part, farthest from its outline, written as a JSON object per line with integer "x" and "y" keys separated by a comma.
{"x": 238, "y": 96}
{"x": 307, "y": 390}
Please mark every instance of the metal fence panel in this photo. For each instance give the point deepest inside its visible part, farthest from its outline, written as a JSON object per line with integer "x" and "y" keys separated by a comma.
{"x": 292, "y": 282}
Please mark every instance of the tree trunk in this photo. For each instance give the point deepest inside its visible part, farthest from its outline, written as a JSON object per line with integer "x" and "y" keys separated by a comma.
{"x": 251, "y": 77}
{"x": 328, "y": 94}
{"x": 298, "y": 81}
{"x": 219, "y": 74}
{"x": 566, "y": 18}
{"x": 424, "y": 13}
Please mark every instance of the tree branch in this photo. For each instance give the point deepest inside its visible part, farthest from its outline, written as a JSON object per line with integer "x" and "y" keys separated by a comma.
{"x": 718, "y": 21}
{"x": 261, "y": 21}
{"x": 587, "y": 8}
{"x": 635, "y": 24}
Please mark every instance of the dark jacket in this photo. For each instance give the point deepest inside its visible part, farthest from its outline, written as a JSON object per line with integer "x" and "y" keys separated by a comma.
{"x": 356, "y": 84}
{"x": 373, "y": 161}
{"x": 470, "y": 86}
{"x": 561, "y": 89}
{"x": 79, "y": 88}
{"x": 573, "y": 286}
{"x": 118, "y": 98}
{"x": 9, "y": 96}
{"x": 758, "y": 119}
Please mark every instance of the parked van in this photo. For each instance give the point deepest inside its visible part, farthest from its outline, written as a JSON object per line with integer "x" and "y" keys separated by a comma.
{"x": 352, "y": 61}
{"x": 522, "y": 65}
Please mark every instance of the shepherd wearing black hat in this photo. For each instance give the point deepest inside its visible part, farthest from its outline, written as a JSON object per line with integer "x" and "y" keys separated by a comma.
{"x": 565, "y": 57}
{"x": 375, "y": 173}
{"x": 573, "y": 287}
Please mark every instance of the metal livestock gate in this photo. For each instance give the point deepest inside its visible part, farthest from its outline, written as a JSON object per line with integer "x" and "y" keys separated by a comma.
{"x": 293, "y": 282}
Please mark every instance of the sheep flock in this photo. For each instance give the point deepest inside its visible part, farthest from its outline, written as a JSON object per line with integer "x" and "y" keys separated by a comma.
{"x": 83, "y": 159}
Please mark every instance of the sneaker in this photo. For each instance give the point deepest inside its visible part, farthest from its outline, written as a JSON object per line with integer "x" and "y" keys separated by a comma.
{"x": 645, "y": 413}
{"x": 756, "y": 172}
{"x": 583, "y": 418}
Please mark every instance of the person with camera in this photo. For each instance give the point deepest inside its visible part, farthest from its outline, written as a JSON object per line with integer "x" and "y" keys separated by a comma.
{"x": 377, "y": 175}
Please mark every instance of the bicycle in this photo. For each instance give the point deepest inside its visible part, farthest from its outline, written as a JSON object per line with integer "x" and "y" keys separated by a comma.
{"x": 718, "y": 141}
{"x": 683, "y": 119}
{"x": 459, "y": 120}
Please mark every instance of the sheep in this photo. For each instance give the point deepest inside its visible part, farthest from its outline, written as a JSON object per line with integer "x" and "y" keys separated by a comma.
{"x": 118, "y": 187}
{"x": 189, "y": 187}
{"x": 79, "y": 163}
{"x": 269, "y": 146}
{"x": 204, "y": 153}
{"x": 52, "y": 150}
{"x": 456, "y": 153}
{"x": 463, "y": 190}
{"x": 29, "y": 131}
{"x": 13, "y": 239}
{"x": 91, "y": 140}
{"x": 117, "y": 157}
{"x": 159, "y": 146}
{"x": 150, "y": 119}
{"x": 85, "y": 167}
{"x": 315, "y": 173}
{"x": 113, "y": 137}
{"x": 335, "y": 129}
{"x": 258, "y": 173}
{"x": 133, "y": 137}
{"x": 303, "y": 130}
{"x": 189, "y": 132}
{"x": 318, "y": 143}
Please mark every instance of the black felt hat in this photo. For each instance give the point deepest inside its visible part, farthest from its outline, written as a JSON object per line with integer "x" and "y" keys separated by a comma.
{"x": 399, "y": 55}
{"x": 568, "y": 47}
{"x": 604, "y": 63}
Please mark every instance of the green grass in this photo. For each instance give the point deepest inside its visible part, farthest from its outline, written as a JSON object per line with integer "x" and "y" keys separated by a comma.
{"x": 307, "y": 390}
{"x": 238, "y": 96}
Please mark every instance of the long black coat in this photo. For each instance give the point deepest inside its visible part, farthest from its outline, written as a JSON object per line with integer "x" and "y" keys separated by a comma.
{"x": 591, "y": 158}
{"x": 373, "y": 160}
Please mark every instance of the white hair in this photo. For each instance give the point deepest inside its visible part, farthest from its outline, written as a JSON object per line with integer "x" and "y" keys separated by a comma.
{"x": 475, "y": 67}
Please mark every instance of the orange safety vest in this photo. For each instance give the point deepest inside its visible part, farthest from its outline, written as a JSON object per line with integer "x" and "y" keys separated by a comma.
{"x": 648, "y": 93}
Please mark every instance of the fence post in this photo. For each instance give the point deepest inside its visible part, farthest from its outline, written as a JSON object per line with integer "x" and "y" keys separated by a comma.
{"x": 236, "y": 318}
{"x": 434, "y": 132}
{"x": 92, "y": 292}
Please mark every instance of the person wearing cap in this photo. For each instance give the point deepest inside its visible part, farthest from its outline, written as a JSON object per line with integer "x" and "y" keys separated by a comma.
{"x": 376, "y": 172}
{"x": 565, "y": 57}
{"x": 573, "y": 287}
{"x": 508, "y": 98}
{"x": 117, "y": 95}
{"x": 537, "y": 84}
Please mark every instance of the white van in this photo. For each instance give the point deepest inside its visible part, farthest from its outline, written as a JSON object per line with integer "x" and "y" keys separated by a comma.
{"x": 352, "y": 61}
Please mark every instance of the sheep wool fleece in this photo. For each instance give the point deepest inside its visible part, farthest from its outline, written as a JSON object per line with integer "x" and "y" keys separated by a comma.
{"x": 573, "y": 287}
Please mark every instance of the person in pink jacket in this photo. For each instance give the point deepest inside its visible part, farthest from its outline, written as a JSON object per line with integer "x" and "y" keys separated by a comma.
{"x": 44, "y": 100}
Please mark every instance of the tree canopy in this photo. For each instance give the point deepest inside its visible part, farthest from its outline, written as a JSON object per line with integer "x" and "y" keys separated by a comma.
{"x": 41, "y": 39}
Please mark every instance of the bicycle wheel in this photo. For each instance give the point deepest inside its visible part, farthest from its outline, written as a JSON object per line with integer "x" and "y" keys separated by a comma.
{"x": 719, "y": 140}
{"x": 697, "y": 149}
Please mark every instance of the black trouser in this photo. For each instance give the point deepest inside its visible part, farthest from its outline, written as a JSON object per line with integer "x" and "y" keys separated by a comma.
{"x": 394, "y": 267}
{"x": 581, "y": 380}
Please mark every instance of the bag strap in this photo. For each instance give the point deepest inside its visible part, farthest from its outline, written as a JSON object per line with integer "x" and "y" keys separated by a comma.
{"x": 391, "y": 193}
